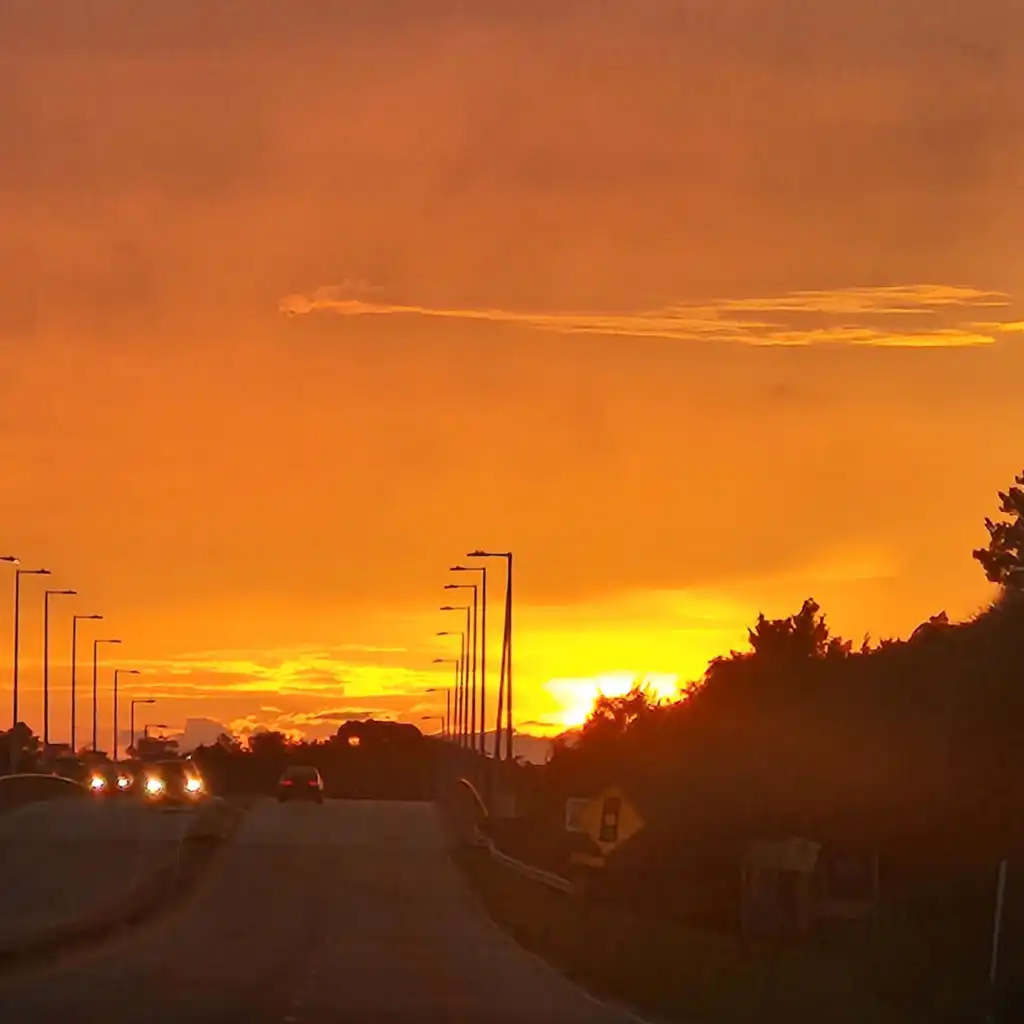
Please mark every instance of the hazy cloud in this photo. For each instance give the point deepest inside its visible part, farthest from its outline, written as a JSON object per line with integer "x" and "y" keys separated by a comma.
{"x": 302, "y": 671}
{"x": 350, "y": 715}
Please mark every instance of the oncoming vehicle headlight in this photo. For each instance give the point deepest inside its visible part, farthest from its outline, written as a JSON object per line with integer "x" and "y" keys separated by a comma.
{"x": 193, "y": 785}
{"x": 154, "y": 785}
{"x": 123, "y": 782}
{"x": 97, "y": 782}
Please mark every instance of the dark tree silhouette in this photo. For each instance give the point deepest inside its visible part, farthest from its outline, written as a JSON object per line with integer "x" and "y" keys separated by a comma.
{"x": 391, "y": 760}
{"x": 799, "y": 637}
{"x": 1003, "y": 559}
{"x": 613, "y": 717}
{"x": 268, "y": 744}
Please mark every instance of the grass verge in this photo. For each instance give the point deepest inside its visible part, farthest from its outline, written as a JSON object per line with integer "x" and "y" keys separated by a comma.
{"x": 678, "y": 973}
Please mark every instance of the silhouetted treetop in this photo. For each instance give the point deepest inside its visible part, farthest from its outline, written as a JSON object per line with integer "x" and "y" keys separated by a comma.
{"x": 801, "y": 636}
{"x": 613, "y": 717}
{"x": 1003, "y": 559}
{"x": 269, "y": 743}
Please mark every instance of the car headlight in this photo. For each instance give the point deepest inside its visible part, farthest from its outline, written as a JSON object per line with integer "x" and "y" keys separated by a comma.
{"x": 154, "y": 785}
{"x": 97, "y": 782}
{"x": 193, "y": 785}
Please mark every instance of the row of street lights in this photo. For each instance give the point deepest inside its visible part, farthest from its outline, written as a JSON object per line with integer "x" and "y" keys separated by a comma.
{"x": 468, "y": 727}
{"x": 97, "y": 643}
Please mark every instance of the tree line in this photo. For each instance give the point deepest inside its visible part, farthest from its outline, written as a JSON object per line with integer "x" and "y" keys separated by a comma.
{"x": 907, "y": 747}
{"x": 363, "y": 759}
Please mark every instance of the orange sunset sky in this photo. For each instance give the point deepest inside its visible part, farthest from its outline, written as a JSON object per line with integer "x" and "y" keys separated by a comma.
{"x": 699, "y": 308}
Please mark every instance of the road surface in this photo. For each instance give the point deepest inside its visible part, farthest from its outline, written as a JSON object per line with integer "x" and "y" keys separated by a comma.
{"x": 64, "y": 860}
{"x": 347, "y": 912}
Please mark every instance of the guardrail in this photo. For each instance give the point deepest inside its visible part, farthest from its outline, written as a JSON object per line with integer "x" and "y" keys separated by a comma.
{"x": 548, "y": 878}
{"x": 477, "y": 838}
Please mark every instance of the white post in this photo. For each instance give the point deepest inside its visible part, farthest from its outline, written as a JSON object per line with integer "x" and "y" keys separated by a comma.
{"x": 997, "y": 925}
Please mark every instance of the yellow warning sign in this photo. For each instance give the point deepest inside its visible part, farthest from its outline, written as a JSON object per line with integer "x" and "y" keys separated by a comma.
{"x": 609, "y": 818}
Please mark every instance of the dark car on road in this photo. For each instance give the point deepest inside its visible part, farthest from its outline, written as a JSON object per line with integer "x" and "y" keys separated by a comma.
{"x": 301, "y": 782}
{"x": 172, "y": 781}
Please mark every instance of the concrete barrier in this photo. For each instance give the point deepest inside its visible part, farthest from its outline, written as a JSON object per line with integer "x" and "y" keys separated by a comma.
{"x": 18, "y": 790}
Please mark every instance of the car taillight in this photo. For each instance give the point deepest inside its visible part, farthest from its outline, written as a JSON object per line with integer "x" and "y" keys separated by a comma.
{"x": 286, "y": 782}
{"x": 312, "y": 782}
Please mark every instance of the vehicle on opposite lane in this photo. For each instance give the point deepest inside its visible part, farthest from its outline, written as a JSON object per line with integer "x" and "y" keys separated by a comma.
{"x": 106, "y": 780}
{"x": 301, "y": 782}
{"x": 171, "y": 782}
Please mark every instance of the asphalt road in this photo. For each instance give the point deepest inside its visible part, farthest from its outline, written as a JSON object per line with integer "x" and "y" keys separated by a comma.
{"x": 347, "y": 912}
{"x": 63, "y": 860}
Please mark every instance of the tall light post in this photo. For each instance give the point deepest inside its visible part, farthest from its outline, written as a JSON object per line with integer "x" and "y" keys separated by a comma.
{"x": 447, "y": 692}
{"x": 482, "y": 569}
{"x": 131, "y": 713}
{"x": 459, "y": 681}
{"x": 473, "y": 743}
{"x": 13, "y": 752}
{"x": 464, "y": 706}
{"x": 435, "y": 718}
{"x": 152, "y": 725}
{"x": 18, "y": 573}
{"x": 46, "y": 659}
{"x": 444, "y": 717}
{"x": 95, "y": 690}
{"x": 75, "y": 619}
{"x": 120, "y": 672}
{"x": 505, "y": 680}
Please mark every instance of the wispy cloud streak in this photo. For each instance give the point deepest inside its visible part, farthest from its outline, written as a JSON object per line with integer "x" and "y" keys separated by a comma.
{"x": 772, "y": 321}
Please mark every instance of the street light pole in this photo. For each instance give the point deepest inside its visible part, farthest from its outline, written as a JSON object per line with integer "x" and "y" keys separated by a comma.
{"x": 155, "y": 725}
{"x": 505, "y": 681}
{"x": 463, "y": 705}
{"x": 74, "y": 659}
{"x": 482, "y": 569}
{"x": 448, "y": 692}
{"x": 95, "y": 690}
{"x": 136, "y": 700}
{"x": 46, "y": 660}
{"x": 18, "y": 573}
{"x": 473, "y": 643}
{"x": 13, "y": 751}
{"x": 460, "y": 681}
{"x": 120, "y": 672}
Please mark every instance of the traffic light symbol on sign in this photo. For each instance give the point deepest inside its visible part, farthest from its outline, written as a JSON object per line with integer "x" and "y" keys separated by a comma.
{"x": 610, "y": 811}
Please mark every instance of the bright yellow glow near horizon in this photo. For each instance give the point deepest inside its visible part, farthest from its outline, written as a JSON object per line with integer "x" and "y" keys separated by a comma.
{"x": 577, "y": 697}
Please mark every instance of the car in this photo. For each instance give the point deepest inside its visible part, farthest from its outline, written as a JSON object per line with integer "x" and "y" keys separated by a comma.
{"x": 301, "y": 782}
{"x": 171, "y": 781}
{"x": 106, "y": 779}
